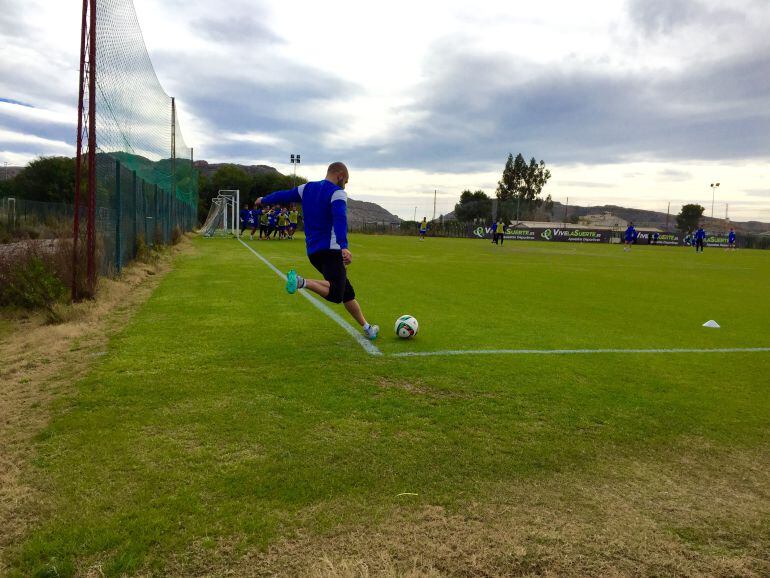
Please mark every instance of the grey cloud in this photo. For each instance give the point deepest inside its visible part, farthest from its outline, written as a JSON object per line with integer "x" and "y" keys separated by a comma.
{"x": 12, "y": 23}
{"x": 288, "y": 101}
{"x": 655, "y": 17}
{"x": 476, "y": 107}
{"x": 236, "y": 29}
{"x": 758, "y": 192}
{"x": 674, "y": 175}
{"x": 591, "y": 184}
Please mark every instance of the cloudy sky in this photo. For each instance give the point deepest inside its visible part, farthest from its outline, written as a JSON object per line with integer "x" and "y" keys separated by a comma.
{"x": 632, "y": 102}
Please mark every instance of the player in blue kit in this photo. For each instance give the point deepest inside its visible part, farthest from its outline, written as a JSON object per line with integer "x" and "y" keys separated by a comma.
{"x": 244, "y": 215}
{"x": 731, "y": 240}
{"x": 700, "y": 236}
{"x": 255, "y": 215}
{"x": 324, "y": 210}
{"x": 629, "y": 237}
{"x": 271, "y": 222}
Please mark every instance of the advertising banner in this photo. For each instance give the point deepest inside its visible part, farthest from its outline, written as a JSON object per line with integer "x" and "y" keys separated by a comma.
{"x": 663, "y": 239}
{"x": 716, "y": 241}
{"x": 521, "y": 233}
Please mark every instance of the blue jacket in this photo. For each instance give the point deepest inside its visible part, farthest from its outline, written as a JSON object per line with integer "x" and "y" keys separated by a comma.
{"x": 324, "y": 210}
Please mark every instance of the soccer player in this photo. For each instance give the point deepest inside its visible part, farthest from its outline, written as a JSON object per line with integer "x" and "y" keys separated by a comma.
{"x": 256, "y": 214}
{"x": 700, "y": 235}
{"x": 501, "y": 231}
{"x": 245, "y": 214}
{"x": 494, "y": 233}
{"x": 263, "y": 224}
{"x": 423, "y": 228}
{"x": 630, "y": 232}
{"x": 324, "y": 210}
{"x": 293, "y": 221}
{"x": 271, "y": 218}
{"x": 731, "y": 240}
{"x": 283, "y": 221}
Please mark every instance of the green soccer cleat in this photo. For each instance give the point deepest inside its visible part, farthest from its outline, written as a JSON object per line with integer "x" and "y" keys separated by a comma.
{"x": 372, "y": 332}
{"x": 291, "y": 282}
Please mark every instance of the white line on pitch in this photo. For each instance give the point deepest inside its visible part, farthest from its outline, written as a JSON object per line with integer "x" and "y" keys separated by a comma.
{"x": 571, "y": 351}
{"x": 368, "y": 346}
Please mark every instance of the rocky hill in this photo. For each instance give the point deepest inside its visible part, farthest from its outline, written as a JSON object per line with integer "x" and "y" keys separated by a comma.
{"x": 645, "y": 218}
{"x": 208, "y": 169}
{"x": 640, "y": 217}
{"x": 360, "y": 212}
{"x": 9, "y": 172}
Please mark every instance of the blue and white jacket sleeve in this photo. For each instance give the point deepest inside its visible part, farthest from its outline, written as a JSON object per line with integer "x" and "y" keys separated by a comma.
{"x": 339, "y": 202}
{"x": 283, "y": 197}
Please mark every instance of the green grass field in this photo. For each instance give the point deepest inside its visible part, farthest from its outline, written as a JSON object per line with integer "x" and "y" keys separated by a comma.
{"x": 230, "y": 421}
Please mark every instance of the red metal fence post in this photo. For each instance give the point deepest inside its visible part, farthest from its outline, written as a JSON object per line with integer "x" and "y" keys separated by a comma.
{"x": 91, "y": 223}
{"x": 78, "y": 161}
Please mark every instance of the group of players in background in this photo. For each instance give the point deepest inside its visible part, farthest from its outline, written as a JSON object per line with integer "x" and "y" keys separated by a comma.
{"x": 695, "y": 239}
{"x": 275, "y": 221}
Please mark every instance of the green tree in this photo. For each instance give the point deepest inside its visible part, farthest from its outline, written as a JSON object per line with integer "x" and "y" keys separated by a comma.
{"x": 689, "y": 217}
{"x": 473, "y": 205}
{"x": 232, "y": 177}
{"x": 523, "y": 183}
{"x": 535, "y": 178}
{"x": 513, "y": 177}
{"x": 47, "y": 179}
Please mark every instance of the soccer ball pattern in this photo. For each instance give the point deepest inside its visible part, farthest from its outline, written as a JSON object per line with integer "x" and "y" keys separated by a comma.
{"x": 406, "y": 326}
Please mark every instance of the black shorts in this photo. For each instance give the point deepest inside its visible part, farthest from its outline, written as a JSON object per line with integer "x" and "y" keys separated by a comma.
{"x": 329, "y": 264}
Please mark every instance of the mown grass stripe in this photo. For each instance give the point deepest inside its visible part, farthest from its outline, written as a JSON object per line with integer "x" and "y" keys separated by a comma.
{"x": 367, "y": 345}
{"x": 572, "y": 351}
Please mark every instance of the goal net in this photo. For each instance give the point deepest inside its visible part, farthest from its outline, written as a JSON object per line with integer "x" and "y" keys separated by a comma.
{"x": 222, "y": 219}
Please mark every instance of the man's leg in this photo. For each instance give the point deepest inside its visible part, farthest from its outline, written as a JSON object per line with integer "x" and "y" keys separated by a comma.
{"x": 335, "y": 287}
{"x": 355, "y": 311}
{"x": 321, "y": 288}
{"x": 318, "y": 287}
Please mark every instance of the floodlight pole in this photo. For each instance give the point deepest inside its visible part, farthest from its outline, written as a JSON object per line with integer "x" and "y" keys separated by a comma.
{"x": 713, "y": 189}
{"x": 295, "y": 160}
{"x": 435, "y": 192}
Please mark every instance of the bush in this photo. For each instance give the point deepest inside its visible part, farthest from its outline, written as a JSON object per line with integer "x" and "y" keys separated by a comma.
{"x": 176, "y": 235}
{"x": 30, "y": 279}
{"x": 38, "y": 275}
{"x": 145, "y": 253}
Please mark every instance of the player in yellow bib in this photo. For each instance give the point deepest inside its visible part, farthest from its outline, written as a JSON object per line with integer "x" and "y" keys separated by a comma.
{"x": 283, "y": 221}
{"x": 293, "y": 222}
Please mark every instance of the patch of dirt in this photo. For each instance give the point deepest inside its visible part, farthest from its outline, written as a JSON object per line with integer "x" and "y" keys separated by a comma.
{"x": 41, "y": 362}
{"x": 418, "y": 387}
{"x": 695, "y": 511}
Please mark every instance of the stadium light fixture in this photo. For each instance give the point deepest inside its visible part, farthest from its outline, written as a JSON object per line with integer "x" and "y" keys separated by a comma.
{"x": 713, "y": 189}
{"x": 295, "y": 160}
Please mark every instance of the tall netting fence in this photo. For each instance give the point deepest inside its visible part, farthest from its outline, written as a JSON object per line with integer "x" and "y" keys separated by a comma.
{"x": 146, "y": 189}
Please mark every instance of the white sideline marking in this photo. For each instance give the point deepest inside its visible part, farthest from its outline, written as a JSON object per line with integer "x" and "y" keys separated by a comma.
{"x": 368, "y": 346}
{"x": 571, "y": 351}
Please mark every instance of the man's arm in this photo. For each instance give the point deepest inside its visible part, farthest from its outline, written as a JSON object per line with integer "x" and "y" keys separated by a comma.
{"x": 283, "y": 197}
{"x": 340, "y": 218}
{"x": 340, "y": 223}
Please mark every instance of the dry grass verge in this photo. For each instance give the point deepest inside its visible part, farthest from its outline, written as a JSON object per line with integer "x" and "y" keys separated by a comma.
{"x": 691, "y": 511}
{"x": 41, "y": 362}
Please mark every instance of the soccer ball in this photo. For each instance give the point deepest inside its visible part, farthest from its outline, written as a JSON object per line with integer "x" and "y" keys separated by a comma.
{"x": 406, "y": 326}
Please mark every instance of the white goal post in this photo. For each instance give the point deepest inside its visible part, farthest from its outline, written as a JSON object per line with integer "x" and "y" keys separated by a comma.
{"x": 222, "y": 219}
